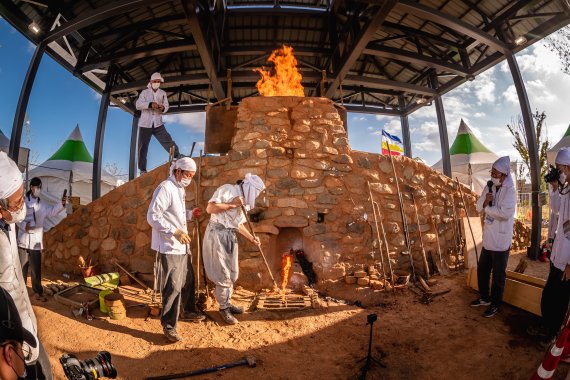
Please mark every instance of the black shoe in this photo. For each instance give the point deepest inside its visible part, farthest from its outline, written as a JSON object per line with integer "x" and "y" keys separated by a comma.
{"x": 228, "y": 317}
{"x": 547, "y": 342}
{"x": 235, "y": 309}
{"x": 171, "y": 335}
{"x": 191, "y": 316}
{"x": 492, "y": 310}
{"x": 480, "y": 302}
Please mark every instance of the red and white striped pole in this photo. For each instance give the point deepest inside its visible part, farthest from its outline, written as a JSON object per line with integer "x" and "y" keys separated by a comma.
{"x": 552, "y": 358}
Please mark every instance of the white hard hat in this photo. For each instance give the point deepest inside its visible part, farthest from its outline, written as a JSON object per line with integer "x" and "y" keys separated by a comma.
{"x": 156, "y": 76}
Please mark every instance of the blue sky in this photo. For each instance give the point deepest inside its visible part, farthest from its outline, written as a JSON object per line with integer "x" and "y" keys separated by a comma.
{"x": 59, "y": 101}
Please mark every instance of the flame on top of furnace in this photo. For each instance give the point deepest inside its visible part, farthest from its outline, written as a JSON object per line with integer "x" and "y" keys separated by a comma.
{"x": 283, "y": 79}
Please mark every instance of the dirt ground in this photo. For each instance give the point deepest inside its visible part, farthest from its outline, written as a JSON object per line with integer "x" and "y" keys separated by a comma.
{"x": 446, "y": 339}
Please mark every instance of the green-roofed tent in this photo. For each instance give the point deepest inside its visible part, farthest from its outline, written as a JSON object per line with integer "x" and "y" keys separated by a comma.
{"x": 471, "y": 161}
{"x": 71, "y": 168}
{"x": 564, "y": 141}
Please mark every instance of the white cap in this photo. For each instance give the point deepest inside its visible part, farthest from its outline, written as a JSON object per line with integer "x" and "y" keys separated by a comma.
{"x": 503, "y": 165}
{"x": 563, "y": 156}
{"x": 156, "y": 76}
{"x": 10, "y": 176}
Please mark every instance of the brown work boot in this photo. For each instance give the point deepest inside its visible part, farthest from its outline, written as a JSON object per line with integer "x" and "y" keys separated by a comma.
{"x": 172, "y": 335}
{"x": 228, "y": 317}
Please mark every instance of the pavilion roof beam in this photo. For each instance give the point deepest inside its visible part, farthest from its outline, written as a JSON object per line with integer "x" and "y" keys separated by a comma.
{"x": 408, "y": 56}
{"x": 203, "y": 45}
{"x": 378, "y": 110}
{"x": 452, "y": 23}
{"x": 397, "y": 28}
{"x": 138, "y": 53}
{"x": 170, "y": 82}
{"x": 171, "y": 20}
{"x": 352, "y": 54}
{"x": 388, "y": 84}
{"x": 265, "y": 50}
{"x": 115, "y": 8}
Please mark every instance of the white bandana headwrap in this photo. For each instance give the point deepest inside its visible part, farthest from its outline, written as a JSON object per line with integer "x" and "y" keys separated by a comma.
{"x": 503, "y": 165}
{"x": 563, "y": 156}
{"x": 184, "y": 163}
{"x": 10, "y": 176}
{"x": 252, "y": 186}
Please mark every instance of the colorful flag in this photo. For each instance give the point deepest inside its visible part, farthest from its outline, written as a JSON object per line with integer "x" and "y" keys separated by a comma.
{"x": 395, "y": 144}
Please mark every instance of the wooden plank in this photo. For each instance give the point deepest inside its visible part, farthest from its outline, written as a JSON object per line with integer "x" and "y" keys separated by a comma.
{"x": 469, "y": 249}
{"x": 275, "y": 302}
{"x": 524, "y": 295}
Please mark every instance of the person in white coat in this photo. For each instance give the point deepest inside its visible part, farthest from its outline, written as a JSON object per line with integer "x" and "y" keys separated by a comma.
{"x": 220, "y": 249}
{"x": 167, "y": 216}
{"x": 556, "y": 292}
{"x": 12, "y": 211}
{"x": 498, "y": 206}
{"x": 153, "y": 102}
{"x": 30, "y": 234}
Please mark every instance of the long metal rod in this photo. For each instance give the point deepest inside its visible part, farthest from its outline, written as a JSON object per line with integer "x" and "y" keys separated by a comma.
{"x": 100, "y": 136}
{"x": 402, "y": 214}
{"x": 534, "y": 164}
{"x": 20, "y": 115}
{"x": 377, "y": 234}
{"x": 258, "y": 247}
{"x": 442, "y": 125}
{"x": 133, "y": 152}
{"x": 468, "y": 220}
{"x": 444, "y": 269}
{"x": 405, "y": 127}
{"x": 426, "y": 266}
{"x": 385, "y": 243}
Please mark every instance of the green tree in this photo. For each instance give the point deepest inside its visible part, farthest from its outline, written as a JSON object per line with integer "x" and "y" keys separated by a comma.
{"x": 559, "y": 43}
{"x": 521, "y": 144}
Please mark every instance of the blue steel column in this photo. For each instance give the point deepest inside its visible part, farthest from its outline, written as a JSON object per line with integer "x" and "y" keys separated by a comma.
{"x": 134, "y": 140}
{"x": 534, "y": 163}
{"x": 405, "y": 127}
{"x": 100, "y": 135}
{"x": 20, "y": 116}
{"x": 444, "y": 140}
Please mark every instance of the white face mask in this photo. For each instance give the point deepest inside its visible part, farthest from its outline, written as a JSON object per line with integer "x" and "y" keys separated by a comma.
{"x": 496, "y": 181}
{"x": 155, "y": 85}
{"x": 36, "y": 192}
{"x": 563, "y": 177}
{"x": 185, "y": 181}
{"x": 17, "y": 216}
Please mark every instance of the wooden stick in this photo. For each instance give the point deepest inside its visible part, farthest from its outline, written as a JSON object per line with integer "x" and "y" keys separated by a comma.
{"x": 468, "y": 221}
{"x": 378, "y": 234}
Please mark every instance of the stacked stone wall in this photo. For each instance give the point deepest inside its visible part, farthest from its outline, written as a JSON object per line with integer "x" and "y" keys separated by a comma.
{"x": 300, "y": 148}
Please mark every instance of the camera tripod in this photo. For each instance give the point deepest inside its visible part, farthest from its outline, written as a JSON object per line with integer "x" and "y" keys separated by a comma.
{"x": 369, "y": 360}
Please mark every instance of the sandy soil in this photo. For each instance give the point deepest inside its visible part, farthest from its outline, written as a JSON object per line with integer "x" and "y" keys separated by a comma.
{"x": 446, "y": 339}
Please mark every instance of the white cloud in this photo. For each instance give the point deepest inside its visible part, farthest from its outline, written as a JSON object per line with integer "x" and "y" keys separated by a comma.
{"x": 194, "y": 122}
{"x": 483, "y": 87}
{"x": 95, "y": 95}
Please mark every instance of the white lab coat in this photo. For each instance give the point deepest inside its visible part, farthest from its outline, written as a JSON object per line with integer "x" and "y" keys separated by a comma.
{"x": 499, "y": 218}
{"x": 233, "y": 217}
{"x": 36, "y": 213}
{"x": 561, "y": 247}
{"x": 167, "y": 213}
{"x": 12, "y": 280}
{"x": 151, "y": 117}
{"x": 555, "y": 198}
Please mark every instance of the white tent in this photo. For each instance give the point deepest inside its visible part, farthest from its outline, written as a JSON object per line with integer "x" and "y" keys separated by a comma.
{"x": 471, "y": 161}
{"x": 564, "y": 141}
{"x": 71, "y": 168}
{"x": 23, "y": 155}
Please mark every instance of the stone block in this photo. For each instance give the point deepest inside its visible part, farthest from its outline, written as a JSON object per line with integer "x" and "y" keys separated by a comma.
{"x": 291, "y": 221}
{"x": 262, "y": 144}
{"x": 286, "y": 183}
{"x": 381, "y": 188}
{"x": 278, "y": 162}
{"x": 315, "y": 190}
{"x": 340, "y": 141}
{"x": 142, "y": 239}
{"x": 315, "y": 229}
{"x": 342, "y": 159}
{"x": 291, "y": 202}
{"x": 266, "y": 228}
{"x": 300, "y": 172}
{"x": 108, "y": 244}
{"x": 313, "y": 164}
{"x": 314, "y": 182}
{"x": 296, "y": 191}
{"x": 327, "y": 199}
{"x": 277, "y": 173}
{"x": 312, "y": 145}
{"x": 234, "y": 155}
{"x": 300, "y": 127}
{"x": 242, "y": 145}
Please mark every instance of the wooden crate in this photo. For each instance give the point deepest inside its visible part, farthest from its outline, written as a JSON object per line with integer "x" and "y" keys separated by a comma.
{"x": 275, "y": 302}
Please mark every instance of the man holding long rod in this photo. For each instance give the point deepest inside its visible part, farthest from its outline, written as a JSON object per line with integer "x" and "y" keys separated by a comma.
{"x": 220, "y": 249}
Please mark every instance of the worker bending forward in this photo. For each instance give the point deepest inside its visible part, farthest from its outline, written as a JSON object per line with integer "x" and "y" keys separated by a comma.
{"x": 220, "y": 242}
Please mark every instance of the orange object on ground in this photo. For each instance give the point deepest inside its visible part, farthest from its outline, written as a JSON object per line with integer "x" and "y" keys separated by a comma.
{"x": 286, "y": 264}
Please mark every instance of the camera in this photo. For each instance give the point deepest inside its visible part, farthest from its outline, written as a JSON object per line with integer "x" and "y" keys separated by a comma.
{"x": 371, "y": 318}
{"x": 89, "y": 369}
{"x": 552, "y": 175}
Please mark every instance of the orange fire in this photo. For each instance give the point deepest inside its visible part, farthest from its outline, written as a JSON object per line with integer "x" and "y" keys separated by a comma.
{"x": 283, "y": 79}
{"x": 286, "y": 264}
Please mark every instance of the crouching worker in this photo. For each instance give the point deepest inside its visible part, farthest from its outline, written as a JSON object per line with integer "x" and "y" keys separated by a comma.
{"x": 15, "y": 340}
{"x": 220, "y": 249}
{"x": 167, "y": 217}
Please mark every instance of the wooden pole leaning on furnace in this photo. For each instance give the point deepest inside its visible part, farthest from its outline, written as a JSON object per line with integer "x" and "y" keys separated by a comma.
{"x": 402, "y": 214}
{"x": 468, "y": 220}
{"x": 259, "y": 247}
{"x": 426, "y": 266}
{"x": 375, "y": 207}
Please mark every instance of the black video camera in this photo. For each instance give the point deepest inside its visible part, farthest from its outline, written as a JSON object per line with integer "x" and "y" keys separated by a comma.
{"x": 371, "y": 318}
{"x": 89, "y": 369}
{"x": 553, "y": 175}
